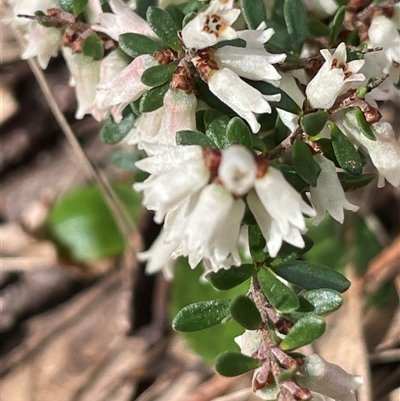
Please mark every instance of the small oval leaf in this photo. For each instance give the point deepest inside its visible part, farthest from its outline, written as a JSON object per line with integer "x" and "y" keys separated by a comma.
{"x": 112, "y": 132}
{"x": 187, "y": 137}
{"x": 278, "y": 294}
{"x": 135, "y": 45}
{"x": 323, "y": 300}
{"x": 289, "y": 252}
{"x": 158, "y": 74}
{"x": 365, "y": 128}
{"x": 296, "y": 21}
{"x": 304, "y": 332}
{"x": 79, "y": 6}
{"x": 239, "y": 133}
{"x": 257, "y": 244}
{"x": 93, "y": 47}
{"x": 311, "y": 276}
{"x": 313, "y": 123}
{"x": 303, "y": 162}
{"x": 201, "y": 315}
{"x": 153, "y": 99}
{"x": 225, "y": 279}
{"x": 232, "y": 364}
{"x": 254, "y": 13}
{"x": 245, "y": 312}
{"x": 351, "y": 182}
{"x": 337, "y": 25}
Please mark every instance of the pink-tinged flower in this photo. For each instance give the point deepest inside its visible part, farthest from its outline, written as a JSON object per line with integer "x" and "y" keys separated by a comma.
{"x": 211, "y": 26}
{"x": 125, "y": 87}
{"x": 278, "y": 209}
{"x": 335, "y": 77}
{"x": 328, "y": 195}
{"x": 85, "y": 74}
{"x": 176, "y": 172}
{"x": 328, "y": 379}
{"x": 121, "y": 21}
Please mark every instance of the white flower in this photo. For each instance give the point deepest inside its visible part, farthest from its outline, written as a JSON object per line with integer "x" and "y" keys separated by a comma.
{"x": 328, "y": 379}
{"x": 278, "y": 209}
{"x": 85, "y": 73}
{"x": 321, "y": 8}
{"x": 328, "y": 195}
{"x": 239, "y": 96}
{"x": 121, "y": 21}
{"x": 237, "y": 170}
{"x": 335, "y": 77}
{"x": 125, "y": 87}
{"x": 212, "y": 229}
{"x": 176, "y": 172}
{"x": 211, "y": 26}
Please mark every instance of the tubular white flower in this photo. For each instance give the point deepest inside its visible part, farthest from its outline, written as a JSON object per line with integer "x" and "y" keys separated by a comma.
{"x": 123, "y": 20}
{"x": 328, "y": 195}
{"x": 212, "y": 229}
{"x": 239, "y": 96}
{"x": 278, "y": 209}
{"x": 321, "y": 8}
{"x": 256, "y": 38}
{"x": 335, "y": 77}
{"x": 176, "y": 173}
{"x": 85, "y": 73}
{"x": 125, "y": 87}
{"x": 211, "y": 26}
{"x": 237, "y": 170}
{"x": 328, "y": 379}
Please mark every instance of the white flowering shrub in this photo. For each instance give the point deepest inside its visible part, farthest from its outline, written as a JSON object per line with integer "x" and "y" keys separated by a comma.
{"x": 254, "y": 115}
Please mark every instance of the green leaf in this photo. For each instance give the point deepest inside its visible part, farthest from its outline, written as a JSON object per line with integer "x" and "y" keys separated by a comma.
{"x": 254, "y": 13}
{"x": 245, "y": 312}
{"x": 232, "y": 364}
{"x": 125, "y": 160}
{"x": 350, "y": 182}
{"x": 293, "y": 178}
{"x": 153, "y": 99}
{"x": 257, "y": 244}
{"x": 311, "y": 276}
{"x": 143, "y": 5}
{"x": 135, "y": 45}
{"x": 164, "y": 27}
{"x": 237, "y": 132}
{"x": 296, "y": 21}
{"x": 66, "y": 5}
{"x": 176, "y": 14}
{"x": 337, "y": 25}
{"x": 93, "y": 47}
{"x": 278, "y": 294}
{"x": 188, "y": 17}
{"x": 158, "y": 74}
{"x": 81, "y": 224}
{"x": 304, "y": 332}
{"x": 79, "y": 6}
{"x": 317, "y": 29}
{"x": 113, "y": 132}
{"x": 327, "y": 150}
{"x": 187, "y": 137}
{"x": 201, "y": 315}
{"x": 345, "y": 152}
{"x": 303, "y": 162}
{"x": 40, "y": 13}
{"x": 289, "y": 252}
{"x": 365, "y": 128}
{"x": 216, "y": 124}
{"x": 224, "y": 279}
{"x": 313, "y": 123}
{"x": 238, "y": 42}
{"x": 323, "y": 300}
{"x": 258, "y": 144}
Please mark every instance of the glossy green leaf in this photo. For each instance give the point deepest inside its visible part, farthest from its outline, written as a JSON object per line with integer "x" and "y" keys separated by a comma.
{"x": 188, "y": 17}
{"x": 293, "y": 178}
{"x": 79, "y": 6}
{"x": 244, "y": 311}
{"x": 216, "y": 124}
{"x": 313, "y": 123}
{"x": 296, "y": 21}
{"x": 327, "y": 150}
{"x": 258, "y": 144}
{"x": 135, "y": 45}
{"x": 66, "y": 5}
{"x": 350, "y": 182}
{"x": 232, "y": 364}
{"x": 158, "y": 74}
{"x": 304, "y": 332}
{"x": 289, "y": 252}
{"x": 303, "y": 162}
{"x": 254, "y": 13}
{"x": 187, "y": 137}
{"x": 153, "y": 99}
{"x": 345, "y": 152}
{"x": 317, "y": 29}
{"x": 238, "y": 42}
{"x": 143, "y": 5}
{"x": 201, "y": 315}
{"x": 176, "y": 14}
{"x": 311, "y": 276}
{"x": 237, "y": 132}
{"x": 365, "y": 128}
{"x": 224, "y": 279}
{"x": 278, "y": 294}
{"x": 93, "y": 47}
{"x": 113, "y": 132}
{"x": 82, "y": 226}
{"x": 323, "y": 300}
{"x": 164, "y": 26}
{"x": 337, "y": 25}
{"x": 257, "y": 244}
